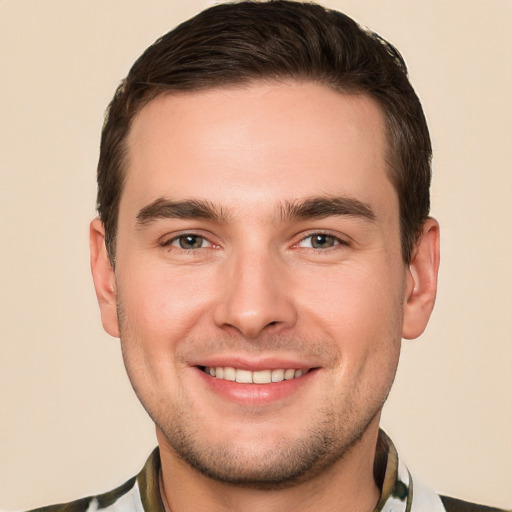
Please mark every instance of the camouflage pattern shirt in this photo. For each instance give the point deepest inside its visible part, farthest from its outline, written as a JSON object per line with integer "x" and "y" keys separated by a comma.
{"x": 399, "y": 491}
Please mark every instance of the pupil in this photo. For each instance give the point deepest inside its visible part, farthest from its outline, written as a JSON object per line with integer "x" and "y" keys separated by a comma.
{"x": 191, "y": 242}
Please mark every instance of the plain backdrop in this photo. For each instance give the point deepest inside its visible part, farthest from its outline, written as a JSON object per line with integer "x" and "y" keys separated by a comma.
{"x": 70, "y": 424}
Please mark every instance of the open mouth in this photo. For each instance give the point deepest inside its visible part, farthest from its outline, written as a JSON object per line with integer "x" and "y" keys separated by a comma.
{"x": 248, "y": 377}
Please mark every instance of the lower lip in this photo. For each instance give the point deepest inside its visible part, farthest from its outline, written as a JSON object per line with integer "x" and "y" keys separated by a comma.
{"x": 255, "y": 394}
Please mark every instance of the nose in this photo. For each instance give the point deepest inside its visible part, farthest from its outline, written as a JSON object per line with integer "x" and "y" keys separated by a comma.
{"x": 255, "y": 295}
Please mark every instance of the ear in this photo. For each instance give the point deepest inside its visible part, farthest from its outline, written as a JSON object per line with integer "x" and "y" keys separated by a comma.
{"x": 104, "y": 278}
{"x": 421, "y": 281}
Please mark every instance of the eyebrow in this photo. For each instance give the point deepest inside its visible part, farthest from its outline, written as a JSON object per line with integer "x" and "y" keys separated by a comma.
{"x": 187, "y": 209}
{"x": 309, "y": 208}
{"x": 326, "y": 206}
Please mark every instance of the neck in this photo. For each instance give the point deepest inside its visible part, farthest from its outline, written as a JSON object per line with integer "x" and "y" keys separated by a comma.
{"x": 346, "y": 485}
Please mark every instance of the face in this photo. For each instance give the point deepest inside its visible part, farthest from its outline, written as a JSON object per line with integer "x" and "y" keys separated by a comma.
{"x": 259, "y": 283}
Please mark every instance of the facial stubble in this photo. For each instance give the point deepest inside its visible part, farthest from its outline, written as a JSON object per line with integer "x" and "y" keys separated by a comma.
{"x": 285, "y": 462}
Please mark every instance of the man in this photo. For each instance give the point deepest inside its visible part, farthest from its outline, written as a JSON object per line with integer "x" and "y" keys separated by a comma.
{"x": 262, "y": 246}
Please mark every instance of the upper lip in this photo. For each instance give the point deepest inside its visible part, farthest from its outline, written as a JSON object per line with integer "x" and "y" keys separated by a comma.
{"x": 253, "y": 364}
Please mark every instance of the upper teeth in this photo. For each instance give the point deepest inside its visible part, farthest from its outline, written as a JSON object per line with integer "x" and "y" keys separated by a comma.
{"x": 248, "y": 377}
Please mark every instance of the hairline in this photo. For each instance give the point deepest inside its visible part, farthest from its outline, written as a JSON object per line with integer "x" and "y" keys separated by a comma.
{"x": 156, "y": 91}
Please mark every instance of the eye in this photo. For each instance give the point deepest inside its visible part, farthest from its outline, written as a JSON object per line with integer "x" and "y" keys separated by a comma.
{"x": 320, "y": 241}
{"x": 189, "y": 241}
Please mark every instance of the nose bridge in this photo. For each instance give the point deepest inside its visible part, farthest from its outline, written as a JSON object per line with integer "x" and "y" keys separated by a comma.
{"x": 256, "y": 296}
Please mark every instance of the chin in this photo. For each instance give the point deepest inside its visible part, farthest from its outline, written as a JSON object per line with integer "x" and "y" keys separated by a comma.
{"x": 271, "y": 462}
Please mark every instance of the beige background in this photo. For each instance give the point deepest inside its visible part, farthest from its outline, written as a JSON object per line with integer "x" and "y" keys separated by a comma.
{"x": 69, "y": 422}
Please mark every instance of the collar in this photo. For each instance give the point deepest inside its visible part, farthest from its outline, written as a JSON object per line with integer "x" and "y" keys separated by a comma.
{"x": 396, "y": 487}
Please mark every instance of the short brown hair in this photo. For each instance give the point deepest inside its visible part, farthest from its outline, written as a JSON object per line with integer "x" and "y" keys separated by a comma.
{"x": 236, "y": 43}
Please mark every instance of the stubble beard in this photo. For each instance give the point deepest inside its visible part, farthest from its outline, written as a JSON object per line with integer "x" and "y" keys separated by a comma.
{"x": 286, "y": 462}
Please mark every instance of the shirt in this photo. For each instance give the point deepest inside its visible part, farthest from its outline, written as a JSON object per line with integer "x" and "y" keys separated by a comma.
{"x": 399, "y": 491}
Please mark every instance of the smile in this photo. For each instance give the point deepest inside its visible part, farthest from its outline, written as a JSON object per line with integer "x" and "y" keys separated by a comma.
{"x": 259, "y": 377}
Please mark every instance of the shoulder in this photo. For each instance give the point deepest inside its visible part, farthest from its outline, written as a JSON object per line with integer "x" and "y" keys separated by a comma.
{"x": 425, "y": 499}
{"x": 455, "y": 505}
{"x": 138, "y": 494}
{"x": 109, "y": 500}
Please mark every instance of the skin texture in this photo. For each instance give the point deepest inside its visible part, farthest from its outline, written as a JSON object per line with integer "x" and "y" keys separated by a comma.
{"x": 256, "y": 289}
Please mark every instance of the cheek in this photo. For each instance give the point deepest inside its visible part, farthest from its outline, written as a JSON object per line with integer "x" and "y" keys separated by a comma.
{"x": 355, "y": 297}
{"x": 159, "y": 302}
{"x": 361, "y": 313}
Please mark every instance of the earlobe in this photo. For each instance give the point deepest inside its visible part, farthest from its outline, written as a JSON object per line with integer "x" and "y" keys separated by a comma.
{"x": 421, "y": 283}
{"x": 104, "y": 278}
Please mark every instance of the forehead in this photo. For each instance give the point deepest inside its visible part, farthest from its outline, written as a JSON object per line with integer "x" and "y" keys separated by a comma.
{"x": 237, "y": 144}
